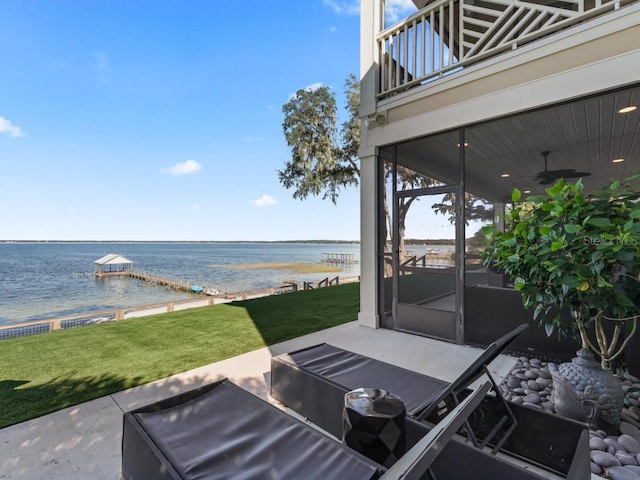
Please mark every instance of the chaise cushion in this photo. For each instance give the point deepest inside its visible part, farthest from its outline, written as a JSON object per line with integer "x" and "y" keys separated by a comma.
{"x": 229, "y": 433}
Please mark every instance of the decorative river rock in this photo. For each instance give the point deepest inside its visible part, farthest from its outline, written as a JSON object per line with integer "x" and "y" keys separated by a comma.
{"x": 620, "y": 448}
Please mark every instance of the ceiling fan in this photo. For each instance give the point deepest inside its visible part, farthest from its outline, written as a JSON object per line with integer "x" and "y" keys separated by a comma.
{"x": 546, "y": 176}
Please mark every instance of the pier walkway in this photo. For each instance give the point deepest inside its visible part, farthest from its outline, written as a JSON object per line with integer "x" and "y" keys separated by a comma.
{"x": 157, "y": 280}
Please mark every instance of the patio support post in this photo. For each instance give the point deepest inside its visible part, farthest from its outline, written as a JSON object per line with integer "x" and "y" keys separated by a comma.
{"x": 368, "y": 315}
{"x": 460, "y": 239}
{"x": 371, "y": 22}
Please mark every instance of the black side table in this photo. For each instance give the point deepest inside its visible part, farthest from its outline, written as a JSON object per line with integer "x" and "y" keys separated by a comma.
{"x": 373, "y": 423}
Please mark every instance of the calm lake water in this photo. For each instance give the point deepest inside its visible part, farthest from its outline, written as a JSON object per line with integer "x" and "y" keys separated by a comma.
{"x": 48, "y": 280}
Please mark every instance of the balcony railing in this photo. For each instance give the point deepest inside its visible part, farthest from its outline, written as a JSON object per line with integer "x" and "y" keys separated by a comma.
{"x": 448, "y": 35}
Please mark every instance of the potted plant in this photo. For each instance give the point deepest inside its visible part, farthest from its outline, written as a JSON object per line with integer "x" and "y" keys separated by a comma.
{"x": 579, "y": 252}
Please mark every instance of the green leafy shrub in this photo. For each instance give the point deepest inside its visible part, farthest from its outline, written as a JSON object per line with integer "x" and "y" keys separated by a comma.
{"x": 577, "y": 251}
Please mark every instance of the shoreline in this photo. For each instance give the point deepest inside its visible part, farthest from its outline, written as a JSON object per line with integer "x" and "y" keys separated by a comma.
{"x": 408, "y": 242}
{"x": 300, "y": 242}
{"x": 49, "y": 280}
{"x": 136, "y": 311}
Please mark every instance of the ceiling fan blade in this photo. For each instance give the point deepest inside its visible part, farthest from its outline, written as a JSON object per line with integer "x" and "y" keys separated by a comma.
{"x": 556, "y": 173}
{"x": 576, "y": 174}
{"x": 548, "y": 179}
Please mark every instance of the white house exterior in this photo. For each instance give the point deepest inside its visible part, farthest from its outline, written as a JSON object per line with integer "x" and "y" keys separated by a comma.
{"x": 474, "y": 93}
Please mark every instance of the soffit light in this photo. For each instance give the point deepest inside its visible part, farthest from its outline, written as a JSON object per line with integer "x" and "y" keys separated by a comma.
{"x": 628, "y": 109}
{"x": 505, "y": 175}
{"x": 466, "y": 144}
{"x": 617, "y": 160}
{"x": 527, "y": 191}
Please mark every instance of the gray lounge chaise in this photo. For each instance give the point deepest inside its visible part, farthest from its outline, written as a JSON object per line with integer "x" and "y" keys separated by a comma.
{"x": 295, "y": 376}
{"x": 223, "y": 432}
{"x": 313, "y": 381}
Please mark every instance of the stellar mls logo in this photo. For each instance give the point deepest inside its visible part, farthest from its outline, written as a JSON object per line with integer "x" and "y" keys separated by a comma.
{"x": 610, "y": 241}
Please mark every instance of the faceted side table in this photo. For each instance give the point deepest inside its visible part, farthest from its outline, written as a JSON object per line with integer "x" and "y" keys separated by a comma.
{"x": 374, "y": 424}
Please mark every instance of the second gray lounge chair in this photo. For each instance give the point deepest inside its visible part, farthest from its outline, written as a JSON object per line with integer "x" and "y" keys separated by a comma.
{"x": 313, "y": 382}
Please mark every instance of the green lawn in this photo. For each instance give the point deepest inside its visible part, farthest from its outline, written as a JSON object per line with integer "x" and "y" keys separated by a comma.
{"x": 43, "y": 373}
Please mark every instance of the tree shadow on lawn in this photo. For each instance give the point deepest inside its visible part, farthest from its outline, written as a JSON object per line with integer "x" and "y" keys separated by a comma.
{"x": 283, "y": 317}
{"x": 22, "y": 401}
{"x": 85, "y": 437}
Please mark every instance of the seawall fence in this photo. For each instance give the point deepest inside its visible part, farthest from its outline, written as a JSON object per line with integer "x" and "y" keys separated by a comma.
{"x": 92, "y": 318}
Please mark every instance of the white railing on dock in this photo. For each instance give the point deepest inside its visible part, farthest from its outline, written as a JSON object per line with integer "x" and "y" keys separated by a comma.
{"x": 339, "y": 258}
{"x": 448, "y": 35}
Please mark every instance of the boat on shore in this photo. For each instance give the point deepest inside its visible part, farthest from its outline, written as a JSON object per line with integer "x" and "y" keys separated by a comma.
{"x": 196, "y": 288}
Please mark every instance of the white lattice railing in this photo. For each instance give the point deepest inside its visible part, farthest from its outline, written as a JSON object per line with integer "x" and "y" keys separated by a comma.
{"x": 450, "y": 34}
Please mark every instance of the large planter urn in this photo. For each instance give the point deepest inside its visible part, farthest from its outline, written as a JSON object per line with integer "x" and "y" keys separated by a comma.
{"x": 583, "y": 381}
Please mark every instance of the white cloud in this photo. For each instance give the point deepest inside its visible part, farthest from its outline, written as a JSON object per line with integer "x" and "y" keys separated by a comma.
{"x": 184, "y": 168}
{"x": 314, "y": 86}
{"x": 195, "y": 206}
{"x": 332, "y": 29}
{"x": 395, "y": 10}
{"x": 9, "y": 128}
{"x": 349, "y": 7}
{"x": 264, "y": 201}
{"x": 309, "y": 88}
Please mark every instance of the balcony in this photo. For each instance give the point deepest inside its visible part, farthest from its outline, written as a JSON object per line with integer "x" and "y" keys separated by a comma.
{"x": 447, "y": 36}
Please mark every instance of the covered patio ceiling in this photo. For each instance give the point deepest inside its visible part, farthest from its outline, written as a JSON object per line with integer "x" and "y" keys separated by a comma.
{"x": 586, "y": 135}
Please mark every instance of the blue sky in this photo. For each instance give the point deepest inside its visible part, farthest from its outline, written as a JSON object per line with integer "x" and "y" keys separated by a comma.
{"x": 161, "y": 120}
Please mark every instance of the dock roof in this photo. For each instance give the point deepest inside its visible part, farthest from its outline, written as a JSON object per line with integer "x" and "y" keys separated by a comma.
{"x": 112, "y": 259}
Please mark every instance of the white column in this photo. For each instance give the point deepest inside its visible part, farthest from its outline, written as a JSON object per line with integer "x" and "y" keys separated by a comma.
{"x": 368, "y": 316}
{"x": 371, "y": 20}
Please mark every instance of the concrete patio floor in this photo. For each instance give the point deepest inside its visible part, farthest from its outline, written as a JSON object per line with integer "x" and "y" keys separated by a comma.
{"x": 83, "y": 442}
